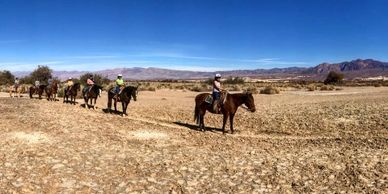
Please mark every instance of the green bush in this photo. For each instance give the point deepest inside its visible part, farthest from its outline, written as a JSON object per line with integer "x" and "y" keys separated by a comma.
{"x": 6, "y": 78}
{"x": 334, "y": 78}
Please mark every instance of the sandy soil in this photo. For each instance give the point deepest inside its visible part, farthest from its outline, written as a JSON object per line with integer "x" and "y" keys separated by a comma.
{"x": 297, "y": 141}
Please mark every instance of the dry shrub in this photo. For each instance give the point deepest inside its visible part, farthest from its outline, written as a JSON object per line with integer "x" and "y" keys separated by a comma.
{"x": 235, "y": 88}
{"x": 252, "y": 90}
{"x": 339, "y": 89}
{"x": 297, "y": 86}
{"x": 149, "y": 88}
{"x": 311, "y": 87}
{"x": 327, "y": 87}
{"x": 378, "y": 85}
{"x": 199, "y": 89}
{"x": 179, "y": 87}
{"x": 270, "y": 90}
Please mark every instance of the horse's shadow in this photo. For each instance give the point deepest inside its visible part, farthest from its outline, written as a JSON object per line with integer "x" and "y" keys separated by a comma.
{"x": 196, "y": 128}
{"x": 116, "y": 112}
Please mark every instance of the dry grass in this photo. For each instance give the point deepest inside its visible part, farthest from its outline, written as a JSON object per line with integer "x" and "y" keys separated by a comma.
{"x": 270, "y": 90}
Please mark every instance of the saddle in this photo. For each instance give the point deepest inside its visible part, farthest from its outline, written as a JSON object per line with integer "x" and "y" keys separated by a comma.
{"x": 117, "y": 95}
{"x": 209, "y": 99}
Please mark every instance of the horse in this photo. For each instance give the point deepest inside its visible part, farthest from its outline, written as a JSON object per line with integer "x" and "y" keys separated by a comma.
{"x": 72, "y": 93}
{"x": 37, "y": 90}
{"x": 228, "y": 109}
{"x": 125, "y": 97}
{"x": 16, "y": 91}
{"x": 52, "y": 91}
{"x": 93, "y": 93}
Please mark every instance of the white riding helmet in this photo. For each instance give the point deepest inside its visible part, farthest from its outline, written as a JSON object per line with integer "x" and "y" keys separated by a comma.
{"x": 120, "y": 75}
{"x": 218, "y": 75}
{"x": 70, "y": 78}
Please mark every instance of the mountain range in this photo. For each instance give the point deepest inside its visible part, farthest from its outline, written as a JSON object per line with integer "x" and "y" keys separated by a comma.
{"x": 351, "y": 69}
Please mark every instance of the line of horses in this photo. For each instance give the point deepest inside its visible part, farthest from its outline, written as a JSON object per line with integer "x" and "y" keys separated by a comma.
{"x": 228, "y": 109}
{"x": 90, "y": 96}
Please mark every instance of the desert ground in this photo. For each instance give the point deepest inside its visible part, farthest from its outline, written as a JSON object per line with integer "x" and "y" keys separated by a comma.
{"x": 296, "y": 142}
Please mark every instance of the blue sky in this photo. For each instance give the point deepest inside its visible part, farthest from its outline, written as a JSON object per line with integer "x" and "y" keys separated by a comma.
{"x": 194, "y": 35}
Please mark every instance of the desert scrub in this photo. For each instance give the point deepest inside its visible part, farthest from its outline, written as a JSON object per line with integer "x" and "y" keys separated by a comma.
{"x": 311, "y": 87}
{"x": 270, "y": 90}
{"x": 149, "y": 88}
{"x": 327, "y": 87}
{"x": 252, "y": 90}
{"x": 234, "y": 88}
{"x": 199, "y": 88}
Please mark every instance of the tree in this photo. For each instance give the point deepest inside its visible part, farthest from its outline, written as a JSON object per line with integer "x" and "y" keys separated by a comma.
{"x": 42, "y": 74}
{"x": 6, "y": 77}
{"x": 98, "y": 79}
{"x": 334, "y": 78}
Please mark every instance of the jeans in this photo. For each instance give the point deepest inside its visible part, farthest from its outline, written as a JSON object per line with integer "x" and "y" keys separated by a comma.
{"x": 216, "y": 95}
{"x": 117, "y": 89}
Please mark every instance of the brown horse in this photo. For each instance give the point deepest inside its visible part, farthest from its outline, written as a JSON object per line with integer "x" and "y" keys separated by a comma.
{"x": 93, "y": 93}
{"x": 228, "y": 109}
{"x": 37, "y": 90}
{"x": 52, "y": 91}
{"x": 125, "y": 97}
{"x": 72, "y": 93}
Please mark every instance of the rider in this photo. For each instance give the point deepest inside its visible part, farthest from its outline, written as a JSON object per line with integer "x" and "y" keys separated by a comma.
{"x": 16, "y": 83}
{"x": 119, "y": 84}
{"x": 37, "y": 84}
{"x": 49, "y": 82}
{"x": 69, "y": 84}
{"x": 89, "y": 84}
{"x": 216, "y": 92}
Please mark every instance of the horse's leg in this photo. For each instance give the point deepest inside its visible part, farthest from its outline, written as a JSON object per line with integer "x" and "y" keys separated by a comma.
{"x": 115, "y": 104}
{"x": 226, "y": 115}
{"x": 202, "y": 120}
{"x": 231, "y": 122}
{"x": 109, "y": 104}
{"x": 124, "y": 106}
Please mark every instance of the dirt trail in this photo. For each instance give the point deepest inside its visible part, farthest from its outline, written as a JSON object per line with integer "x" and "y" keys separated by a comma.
{"x": 293, "y": 143}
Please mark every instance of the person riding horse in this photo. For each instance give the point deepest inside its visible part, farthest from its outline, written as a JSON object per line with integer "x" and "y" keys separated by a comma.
{"x": 16, "y": 84}
{"x": 89, "y": 84}
{"x": 37, "y": 84}
{"x": 49, "y": 82}
{"x": 217, "y": 89}
{"x": 69, "y": 84}
{"x": 119, "y": 86}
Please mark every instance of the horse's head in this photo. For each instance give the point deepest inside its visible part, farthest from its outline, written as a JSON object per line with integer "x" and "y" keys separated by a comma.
{"x": 249, "y": 101}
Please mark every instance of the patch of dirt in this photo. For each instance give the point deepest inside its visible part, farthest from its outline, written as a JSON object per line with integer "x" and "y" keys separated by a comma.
{"x": 147, "y": 134}
{"x": 30, "y": 138}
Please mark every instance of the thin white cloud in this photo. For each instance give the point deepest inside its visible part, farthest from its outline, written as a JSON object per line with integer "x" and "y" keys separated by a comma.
{"x": 10, "y": 41}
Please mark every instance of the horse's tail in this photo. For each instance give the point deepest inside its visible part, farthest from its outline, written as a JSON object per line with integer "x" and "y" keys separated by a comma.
{"x": 196, "y": 114}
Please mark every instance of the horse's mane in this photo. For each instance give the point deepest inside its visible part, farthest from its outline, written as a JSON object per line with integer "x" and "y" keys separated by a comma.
{"x": 129, "y": 88}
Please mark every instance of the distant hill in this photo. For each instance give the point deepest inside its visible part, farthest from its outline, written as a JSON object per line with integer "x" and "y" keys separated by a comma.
{"x": 354, "y": 69}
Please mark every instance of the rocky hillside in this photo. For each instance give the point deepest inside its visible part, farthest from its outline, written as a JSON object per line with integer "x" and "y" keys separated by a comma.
{"x": 352, "y": 69}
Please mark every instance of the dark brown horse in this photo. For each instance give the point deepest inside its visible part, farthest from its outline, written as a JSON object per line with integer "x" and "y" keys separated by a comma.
{"x": 228, "y": 109}
{"x": 125, "y": 97}
{"x": 51, "y": 91}
{"x": 72, "y": 93}
{"x": 37, "y": 90}
{"x": 93, "y": 93}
